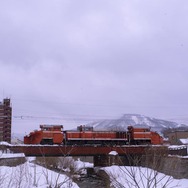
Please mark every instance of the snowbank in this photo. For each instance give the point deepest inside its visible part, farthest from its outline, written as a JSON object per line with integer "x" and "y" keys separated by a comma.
{"x": 80, "y": 166}
{"x": 144, "y": 177}
{"x": 30, "y": 175}
{"x": 5, "y": 143}
{"x": 11, "y": 155}
{"x": 113, "y": 153}
{"x": 184, "y": 141}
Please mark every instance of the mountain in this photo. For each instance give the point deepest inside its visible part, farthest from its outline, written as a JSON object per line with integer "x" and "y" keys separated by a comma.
{"x": 134, "y": 120}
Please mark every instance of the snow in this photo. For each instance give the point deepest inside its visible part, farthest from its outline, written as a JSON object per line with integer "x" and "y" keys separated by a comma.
{"x": 80, "y": 166}
{"x": 113, "y": 153}
{"x": 135, "y": 119}
{"x": 29, "y": 175}
{"x": 5, "y": 143}
{"x": 11, "y": 155}
{"x": 124, "y": 176}
{"x": 184, "y": 140}
{"x": 177, "y": 147}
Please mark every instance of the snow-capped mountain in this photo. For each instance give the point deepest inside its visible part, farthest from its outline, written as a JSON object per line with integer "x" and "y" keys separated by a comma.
{"x": 134, "y": 120}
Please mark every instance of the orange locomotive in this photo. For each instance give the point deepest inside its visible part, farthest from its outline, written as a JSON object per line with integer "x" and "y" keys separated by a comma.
{"x": 137, "y": 136}
{"x": 49, "y": 134}
{"x": 84, "y": 135}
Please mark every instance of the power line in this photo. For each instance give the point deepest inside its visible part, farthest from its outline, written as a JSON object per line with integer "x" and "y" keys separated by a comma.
{"x": 60, "y": 118}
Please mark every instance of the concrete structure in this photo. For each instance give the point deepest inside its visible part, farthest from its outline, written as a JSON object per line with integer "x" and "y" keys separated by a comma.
{"x": 5, "y": 120}
{"x": 176, "y": 136}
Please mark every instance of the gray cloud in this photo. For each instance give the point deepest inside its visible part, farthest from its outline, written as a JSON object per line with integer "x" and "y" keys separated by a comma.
{"x": 81, "y": 59}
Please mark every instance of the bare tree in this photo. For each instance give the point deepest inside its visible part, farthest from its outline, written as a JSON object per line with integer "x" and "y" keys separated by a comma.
{"x": 3, "y": 177}
{"x": 58, "y": 165}
{"x": 141, "y": 172}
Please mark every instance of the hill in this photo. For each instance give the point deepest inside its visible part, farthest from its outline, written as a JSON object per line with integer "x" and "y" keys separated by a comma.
{"x": 134, "y": 120}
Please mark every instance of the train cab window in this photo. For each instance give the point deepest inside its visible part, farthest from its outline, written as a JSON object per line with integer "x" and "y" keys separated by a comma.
{"x": 84, "y": 128}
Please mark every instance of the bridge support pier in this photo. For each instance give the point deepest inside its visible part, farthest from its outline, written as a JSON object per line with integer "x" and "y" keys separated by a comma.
{"x": 108, "y": 160}
{"x": 100, "y": 160}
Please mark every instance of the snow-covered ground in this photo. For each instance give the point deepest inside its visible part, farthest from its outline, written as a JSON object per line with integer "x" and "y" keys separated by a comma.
{"x": 11, "y": 155}
{"x": 80, "y": 167}
{"x": 139, "y": 177}
{"x": 4, "y": 143}
{"x": 184, "y": 141}
{"x": 29, "y": 175}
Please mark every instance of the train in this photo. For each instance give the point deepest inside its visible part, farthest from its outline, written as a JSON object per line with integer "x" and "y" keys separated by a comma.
{"x": 86, "y": 135}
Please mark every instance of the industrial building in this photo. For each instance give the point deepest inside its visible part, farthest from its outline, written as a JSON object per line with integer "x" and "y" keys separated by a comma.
{"x": 176, "y": 137}
{"x": 5, "y": 120}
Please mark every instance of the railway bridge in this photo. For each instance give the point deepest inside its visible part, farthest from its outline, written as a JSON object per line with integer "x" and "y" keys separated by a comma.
{"x": 77, "y": 150}
{"x": 101, "y": 154}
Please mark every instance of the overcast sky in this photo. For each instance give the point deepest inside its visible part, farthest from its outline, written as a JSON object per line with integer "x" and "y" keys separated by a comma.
{"x": 70, "y": 61}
